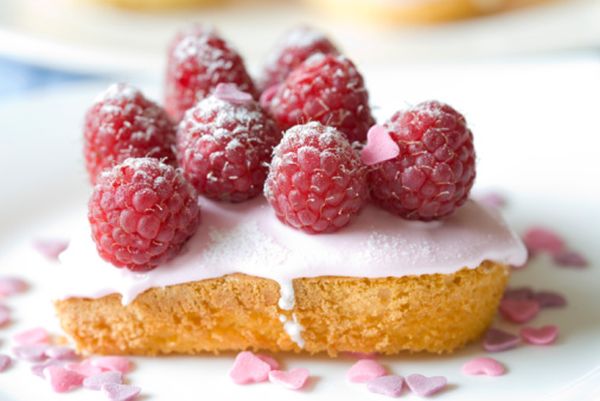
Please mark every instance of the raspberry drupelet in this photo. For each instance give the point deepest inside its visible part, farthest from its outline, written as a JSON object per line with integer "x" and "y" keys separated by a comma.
{"x": 198, "y": 60}
{"x": 290, "y": 51}
{"x": 325, "y": 88}
{"x": 122, "y": 123}
{"x": 316, "y": 182}
{"x": 435, "y": 169}
{"x": 224, "y": 145}
{"x": 141, "y": 213}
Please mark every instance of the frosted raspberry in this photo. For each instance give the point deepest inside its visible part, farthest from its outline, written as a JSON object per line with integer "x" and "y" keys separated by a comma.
{"x": 316, "y": 182}
{"x": 324, "y": 88}
{"x": 224, "y": 146}
{"x": 141, "y": 213}
{"x": 198, "y": 60}
{"x": 122, "y": 123}
{"x": 290, "y": 51}
{"x": 435, "y": 170}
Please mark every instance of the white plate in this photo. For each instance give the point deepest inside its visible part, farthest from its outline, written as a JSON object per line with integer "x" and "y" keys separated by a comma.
{"x": 535, "y": 129}
{"x": 81, "y": 36}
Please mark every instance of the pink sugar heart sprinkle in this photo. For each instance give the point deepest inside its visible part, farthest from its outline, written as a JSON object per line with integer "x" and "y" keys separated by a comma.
{"x": 497, "y": 340}
{"x": 5, "y": 362}
{"x": 60, "y": 353}
{"x": 426, "y": 386}
{"x": 550, "y": 299}
{"x": 112, "y": 363}
{"x": 230, "y": 93}
{"x": 386, "y": 385}
{"x": 4, "y": 315}
{"x": 11, "y": 286}
{"x": 84, "y": 368}
{"x": 365, "y": 370}
{"x": 97, "y": 381}
{"x": 37, "y": 335}
{"x": 267, "y": 96}
{"x": 38, "y": 369}
{"x": 248, "y": 368}
{"x": 272, "y": 362}
{"x": 50, "y": 248}
{"x": 519, "y": 310}
{"x": 544, "y": 335}
{"x": 483, "y": 366}
{"x": 570, "y": 258}
{"x": 61, "y": 379}
{"x": 380, "y": 146}
{"x": 519, "y": 293}
{"x": 30, "y": 352}
{"x": 293, "y": 379}
{"x": 540, "y": 239}
{"x": 120, "y": 392}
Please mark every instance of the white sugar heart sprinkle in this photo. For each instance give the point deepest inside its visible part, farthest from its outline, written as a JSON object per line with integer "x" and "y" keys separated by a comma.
{"x": 120, "y": 392}
{"x": 97, "y": 381}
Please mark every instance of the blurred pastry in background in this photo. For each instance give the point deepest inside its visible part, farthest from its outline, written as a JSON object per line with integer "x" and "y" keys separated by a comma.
{"x": 157, "y": 4}
{"x": 416, "y": 11}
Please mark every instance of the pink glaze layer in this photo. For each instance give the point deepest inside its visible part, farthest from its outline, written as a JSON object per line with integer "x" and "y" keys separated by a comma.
{"x": 248, "y": 238}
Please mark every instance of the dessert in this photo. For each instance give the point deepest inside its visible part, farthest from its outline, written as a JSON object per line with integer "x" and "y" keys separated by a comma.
{"x": 314, "y": 264}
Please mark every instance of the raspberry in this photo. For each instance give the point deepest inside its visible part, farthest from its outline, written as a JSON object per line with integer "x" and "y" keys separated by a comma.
{"x": 199, "y": 59}
{"x": 316, "y": 182}
{"x": 122, "y": 123}
{"x": 325, "y": 88}
{"x": 291, "y": 50}
{"x": 224, "y": 145}
{"x": 141, "y": 212}
{"x": 435, "y": 170}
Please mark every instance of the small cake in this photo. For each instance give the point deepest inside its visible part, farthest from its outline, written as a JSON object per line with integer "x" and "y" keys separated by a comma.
{"x": 354, "y": 241}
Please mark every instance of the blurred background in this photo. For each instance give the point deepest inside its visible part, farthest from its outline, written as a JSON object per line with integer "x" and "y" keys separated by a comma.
{"x": 53, "y": 42}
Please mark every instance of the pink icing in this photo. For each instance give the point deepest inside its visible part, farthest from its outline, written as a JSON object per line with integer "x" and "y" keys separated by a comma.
{"x": 248, "y": 238}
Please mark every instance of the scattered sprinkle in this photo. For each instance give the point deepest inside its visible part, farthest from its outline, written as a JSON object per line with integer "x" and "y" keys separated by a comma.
{"x": 5, "y": 362}
{"x": 483, "y": 366}
{"x": 112, "y": 363}
{"x": 540, "y": 239}
{"x": 96, "y": 382}
{"x": 380, "y": 146}
{"x": 38, "y": 368}
{"x": 497, "y": 340}
{"x": 37, "y": 335}
{"x": 31, "y": 352}
{"x": 231, "y": 93}
{"x": 365, "y": 370}
{"x": 61, "y": 379}
{"x": 519, "y": 293}
{"x": 248, "y": 368}
{"x": 519, "y": 310}
{"x": 272, "y": 362}
{"x": 544, "y": 335}
{"x": 4, "y": 315}
{"x": 60, "y": 352}
{"x": 84, "y": 368}
{"x": 11, "y": 285}
{"x": 50, "y": 247}
{"x": 293, "y": 379}
{"x": 120, "y": 392}
{"x": 425, "y": 386}
{"x": 550, "y": 299}
{"x": 386, "y": 385}
{"x": 570, "y": 258}
{"x": 494, "y": 200}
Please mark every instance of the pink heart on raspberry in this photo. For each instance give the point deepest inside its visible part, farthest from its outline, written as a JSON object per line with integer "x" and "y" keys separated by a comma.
{"x": 248, "y": 368}
{"x": 425, "y": 386}
{"x": 483, "y": 366}
{"x": 380, "y": 146}
{"x": 519, "y": 310}
{"x": 294, "y": 379}
{"x": 365, "y": 370}
{"x": 540, "y": 336}
{"x": 231, "y": 93}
